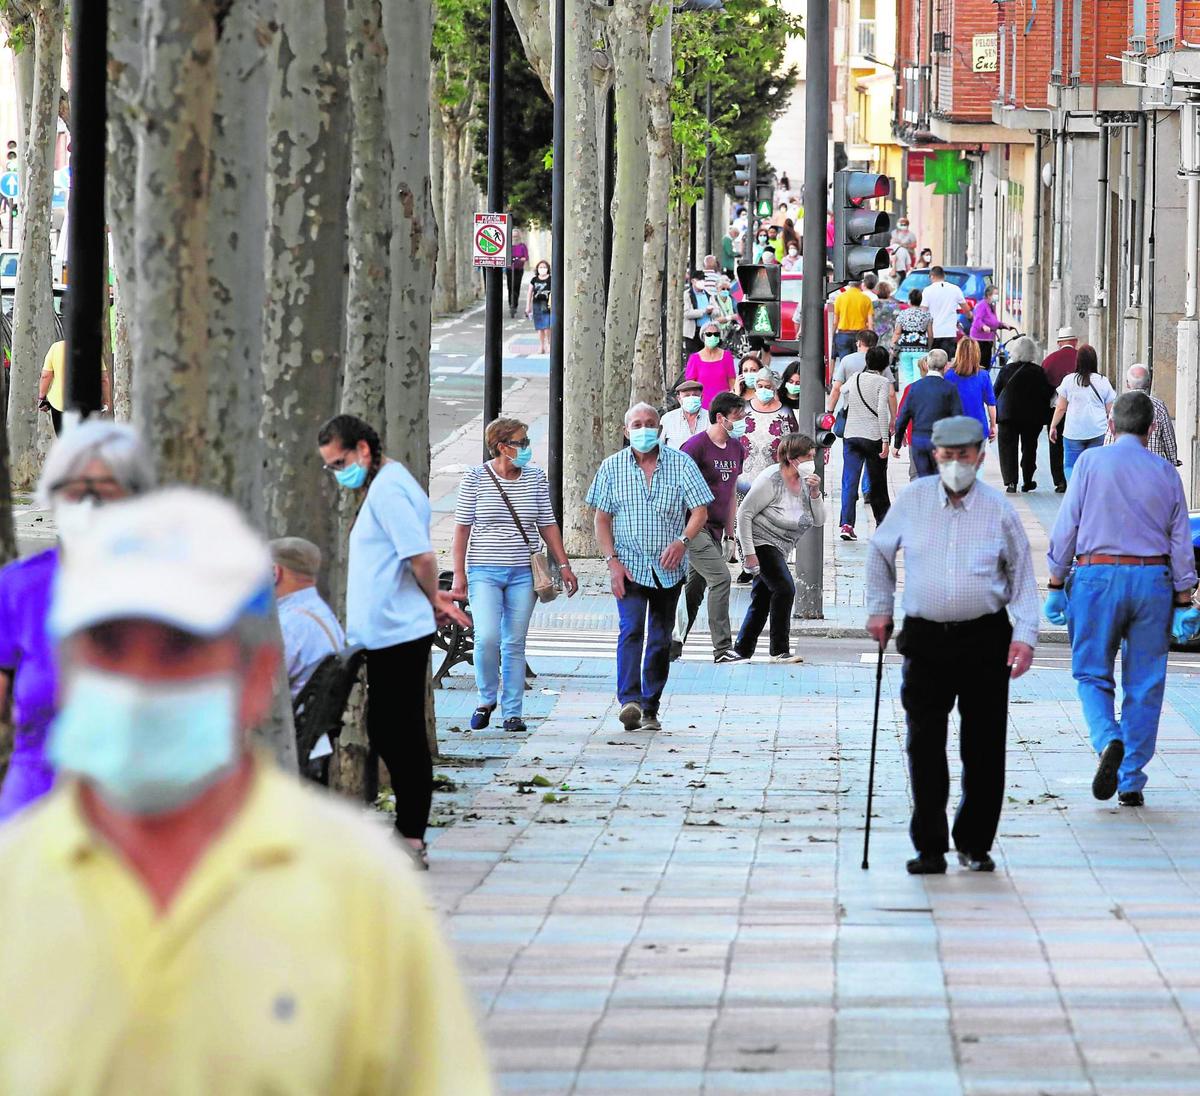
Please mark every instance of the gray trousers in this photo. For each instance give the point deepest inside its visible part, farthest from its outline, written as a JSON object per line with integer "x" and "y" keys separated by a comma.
{"x": 707, "y": 569}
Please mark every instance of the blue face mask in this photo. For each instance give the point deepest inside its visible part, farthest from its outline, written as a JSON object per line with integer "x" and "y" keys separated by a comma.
{"x": 643, "y": 438}
{"x": 736, "y": 429}
{"x": 352, "y": 477}
{"x": 690, "y": 404}
{"x": 523, "y": 457}
{"x": 147, "y": 747}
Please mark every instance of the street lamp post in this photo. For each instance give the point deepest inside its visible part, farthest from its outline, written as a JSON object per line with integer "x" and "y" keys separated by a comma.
{"x": 493, "y": 316}
{"x": 557, "y": 258}
{"x": 86, "y": 224}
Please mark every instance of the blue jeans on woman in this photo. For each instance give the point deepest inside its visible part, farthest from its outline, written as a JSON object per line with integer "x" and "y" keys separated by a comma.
{"x": 1072, "y": 449}
{"x": 502, "y": 601}
{"x": 859, "y": 454}
{"x": 1125, "y": 607}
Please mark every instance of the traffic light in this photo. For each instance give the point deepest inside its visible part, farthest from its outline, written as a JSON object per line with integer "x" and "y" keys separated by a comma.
{"x": 745, "y": 176}
{"x": 854, "y": 251}
{"x": 764, "y": 197}
{"x": 759, "y": 307}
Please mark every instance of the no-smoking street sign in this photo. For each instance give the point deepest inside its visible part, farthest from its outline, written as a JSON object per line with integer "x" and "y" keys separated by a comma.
{"x": 491, "y": 245}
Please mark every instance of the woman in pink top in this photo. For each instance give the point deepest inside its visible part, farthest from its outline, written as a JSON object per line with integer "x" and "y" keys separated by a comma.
{"x": 712, "y": 366}
{"x": 985, "y": 325}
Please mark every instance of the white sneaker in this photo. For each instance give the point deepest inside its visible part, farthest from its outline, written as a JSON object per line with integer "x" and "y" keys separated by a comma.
{"x": 791, "y": 658}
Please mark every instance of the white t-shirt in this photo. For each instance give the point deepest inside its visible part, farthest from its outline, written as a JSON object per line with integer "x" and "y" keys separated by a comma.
{"x": 384, "y": 604}
{"x": 943, "y": 299}
{"x": 1087, "y": 407}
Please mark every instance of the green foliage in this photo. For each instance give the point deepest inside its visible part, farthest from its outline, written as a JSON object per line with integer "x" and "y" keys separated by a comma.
{"x": 528, "y": 132}
{"x": 741, "y": 52}
{"x": 459, "y": 52}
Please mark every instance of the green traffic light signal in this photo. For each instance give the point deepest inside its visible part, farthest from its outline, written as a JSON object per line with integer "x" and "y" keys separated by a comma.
{"x": 762, "y": 208}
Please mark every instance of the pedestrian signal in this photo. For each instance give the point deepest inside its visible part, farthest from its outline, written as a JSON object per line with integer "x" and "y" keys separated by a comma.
{"x": 759, "y": 308}
{"x": 857, "y": 231}
{"x": 764, "y": 196}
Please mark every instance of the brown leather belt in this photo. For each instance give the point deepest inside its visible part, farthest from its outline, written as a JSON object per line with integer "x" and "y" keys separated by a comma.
{"x": 1124, "y": 561}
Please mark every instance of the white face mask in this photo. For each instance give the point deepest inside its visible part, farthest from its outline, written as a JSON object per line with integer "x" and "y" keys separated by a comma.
{"x": 72, "y": 519}
{"x": 957, "y": 475}
{"x": 805, "y": 468}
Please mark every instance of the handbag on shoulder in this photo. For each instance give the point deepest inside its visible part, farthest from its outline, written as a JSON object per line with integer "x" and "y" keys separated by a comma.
{"x": 545, "y": 585}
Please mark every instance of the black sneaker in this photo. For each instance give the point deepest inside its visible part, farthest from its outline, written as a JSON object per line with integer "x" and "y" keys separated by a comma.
{"x": 973, "y": 861}
{"x": 482, "y": 716}
{"x": 927, "y": 865}
{"x": 676, "y": 650}
{"x": 1030, "y": 486}
{"x": 1060, "y": 488}
{"x": 729, "y": 656}
{"x": 1104, "y": 784}
{"x": 515, "y": 723}
{"x": 1010, "y": 488}
{"x": 1132, "y": 799}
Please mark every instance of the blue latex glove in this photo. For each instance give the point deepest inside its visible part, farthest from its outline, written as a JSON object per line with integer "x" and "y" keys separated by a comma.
{"x": 1056, "y": 606}
{"x": 1185, "y": 625}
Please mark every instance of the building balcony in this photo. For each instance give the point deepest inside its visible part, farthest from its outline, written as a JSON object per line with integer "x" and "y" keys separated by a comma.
{"x": 864, "y": 38}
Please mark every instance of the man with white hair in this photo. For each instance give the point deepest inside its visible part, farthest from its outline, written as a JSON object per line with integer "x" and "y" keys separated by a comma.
{"x": 311, "y": 631}
{"x": 651, "y": 501}
{"x": 1162, "y": 431}
{"x": 163, "y": 906}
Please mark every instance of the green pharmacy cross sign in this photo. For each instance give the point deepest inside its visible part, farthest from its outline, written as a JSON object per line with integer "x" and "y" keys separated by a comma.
{"x": 947, "y": 172}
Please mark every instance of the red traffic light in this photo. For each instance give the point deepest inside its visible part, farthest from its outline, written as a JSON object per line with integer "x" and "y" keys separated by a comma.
{"x": 861, "y": 185}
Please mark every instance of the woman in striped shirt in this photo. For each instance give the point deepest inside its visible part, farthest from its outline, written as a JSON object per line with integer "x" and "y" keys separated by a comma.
{"x": 491, "y": 564}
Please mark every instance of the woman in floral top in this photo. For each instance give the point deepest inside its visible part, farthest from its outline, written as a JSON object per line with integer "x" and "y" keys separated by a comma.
{"x": 886, "y": 310}
{"x": 767, "y": 420}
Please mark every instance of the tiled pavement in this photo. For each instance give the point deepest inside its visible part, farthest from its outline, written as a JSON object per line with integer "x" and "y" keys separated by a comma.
{"x": 685, "y": 913}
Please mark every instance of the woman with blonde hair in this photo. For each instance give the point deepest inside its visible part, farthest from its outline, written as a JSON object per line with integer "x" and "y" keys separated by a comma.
{"x": 974, "y": 386}
{"x": 491, "y": 563}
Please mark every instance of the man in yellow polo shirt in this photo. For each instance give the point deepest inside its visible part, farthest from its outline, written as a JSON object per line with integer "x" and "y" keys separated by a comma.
{"x": 179, "y": 916}
{"x": 853, "y": 310}
{"x": 52, "y": 386}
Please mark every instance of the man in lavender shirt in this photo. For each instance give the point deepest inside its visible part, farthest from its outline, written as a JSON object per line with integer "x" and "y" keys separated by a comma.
{"x": 1124, "y": 527}
{"x": 94, "y": 464}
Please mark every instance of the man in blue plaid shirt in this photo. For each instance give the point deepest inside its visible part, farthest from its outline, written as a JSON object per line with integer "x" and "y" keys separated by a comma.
{"x": 650, "y": 501}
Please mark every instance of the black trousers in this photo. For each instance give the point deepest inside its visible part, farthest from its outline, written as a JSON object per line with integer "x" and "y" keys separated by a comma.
{"x": 396, "y": 728}
{"x": 56, "y": 422}
{"x": 1009, "y": 434}
{"x": 985, "y": 353}
{"x": 935, "y": 676}
{"x": 515, "y": 274}
{"x": 1056, "y": 459}
{"x": 950, "y": 346}
{"x": 771, "y": 598}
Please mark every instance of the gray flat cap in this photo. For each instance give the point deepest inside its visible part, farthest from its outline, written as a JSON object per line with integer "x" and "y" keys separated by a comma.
{"x": 957, "y": 430}
{"x": 297, "y": 554}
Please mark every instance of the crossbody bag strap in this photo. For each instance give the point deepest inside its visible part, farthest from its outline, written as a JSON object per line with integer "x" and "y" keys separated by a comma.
{"x": 1097, "y": 394}
{"x": 333, "y": 643}
{"x": 511, "y": 510}
{"x": 858, "y": 388}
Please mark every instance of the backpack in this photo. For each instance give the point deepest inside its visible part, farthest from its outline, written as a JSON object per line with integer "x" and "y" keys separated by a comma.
{"x": 319, "y": 707}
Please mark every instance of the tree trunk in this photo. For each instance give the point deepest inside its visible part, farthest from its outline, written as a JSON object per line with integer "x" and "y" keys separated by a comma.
{"x": 583, "y": 426}
{"x": 628, "y": 33}
{"x": 437, "y": 178}
{"x": 370, "y": 223}
{"x": 124, "y": 75}
{"x": 236, "y": 240}
{"x": 534, "y": 28}
{"x": 172, "y": 123}
{"x": 470, "y": 198}
{"x": 122, "y": 374}
{"x": 33, "y": 306}
{"x": 407, "y": 29}
{"x": 647, "y": 354}
{"x": 676, "y": 281}
{"x": 451, "y": 193}
{"x": 307, "y": 188}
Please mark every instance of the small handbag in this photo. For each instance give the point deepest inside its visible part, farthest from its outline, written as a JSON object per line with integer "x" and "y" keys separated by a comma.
{"x": 545, "y": 585}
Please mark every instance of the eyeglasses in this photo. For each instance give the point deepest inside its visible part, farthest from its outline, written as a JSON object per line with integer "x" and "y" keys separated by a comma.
{"x": 340, "y": 463}
{"x": 518, "y": 443}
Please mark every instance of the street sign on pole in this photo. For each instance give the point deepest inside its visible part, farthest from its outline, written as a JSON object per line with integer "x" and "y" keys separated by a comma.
{"x": 491, "y": 244}
{"x": 10, "y": 186}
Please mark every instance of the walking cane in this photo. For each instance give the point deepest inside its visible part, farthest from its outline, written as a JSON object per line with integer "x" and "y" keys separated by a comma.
{"x": 871, "y": 774}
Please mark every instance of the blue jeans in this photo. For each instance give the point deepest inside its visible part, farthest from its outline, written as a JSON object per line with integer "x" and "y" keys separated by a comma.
{"x": 502, "y": 601}
{"x": 644, "y": 644}
{"x": 921, "y": 451}
{"x": 860, "y": 458}
{"x": 1072, "y": 449}
{"x": 844, "y": 342}
{"x": 1111, "y": 606}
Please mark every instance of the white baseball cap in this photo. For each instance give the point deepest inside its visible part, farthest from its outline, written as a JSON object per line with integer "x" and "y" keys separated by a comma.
{"x": 179, "y": 556}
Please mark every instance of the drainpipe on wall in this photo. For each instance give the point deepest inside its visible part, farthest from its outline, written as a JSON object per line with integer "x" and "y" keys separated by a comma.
{"x": 1131, "y": 343}
{"x": 1055, "y": 312}
{"x": 1099, "y": 292}
{"x": 1187, "y": 360}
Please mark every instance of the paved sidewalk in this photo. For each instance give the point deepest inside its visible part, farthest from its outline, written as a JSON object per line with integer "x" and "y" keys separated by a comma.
{"x": 685, "y": 913}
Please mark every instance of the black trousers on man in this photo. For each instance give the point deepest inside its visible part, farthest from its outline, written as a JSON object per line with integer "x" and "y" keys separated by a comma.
{"x": 1010, "y": 435}
{"x": 949, "y": 346}
{"x": 514, "y": 275}
{"x": 1056, "y": 460}
{"x": 935, "y": 676}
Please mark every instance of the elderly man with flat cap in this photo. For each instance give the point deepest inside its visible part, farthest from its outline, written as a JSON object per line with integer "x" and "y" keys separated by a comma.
{"x": 687, "y": 420}
{"x": 969, "y": 591}
{"x": 310, "y": 629}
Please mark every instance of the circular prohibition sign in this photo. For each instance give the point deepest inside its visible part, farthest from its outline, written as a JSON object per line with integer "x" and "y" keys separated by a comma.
{"x": 490, "y": 240}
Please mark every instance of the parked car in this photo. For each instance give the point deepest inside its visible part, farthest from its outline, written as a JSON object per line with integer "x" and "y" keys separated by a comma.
{"x": 972, "y": 280}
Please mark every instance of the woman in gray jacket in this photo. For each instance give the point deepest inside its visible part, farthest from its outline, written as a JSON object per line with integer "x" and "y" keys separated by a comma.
{"x": 783, "y": 503}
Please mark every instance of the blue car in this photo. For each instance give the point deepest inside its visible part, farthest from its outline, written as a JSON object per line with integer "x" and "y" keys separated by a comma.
{"x": 972, "y": 280}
